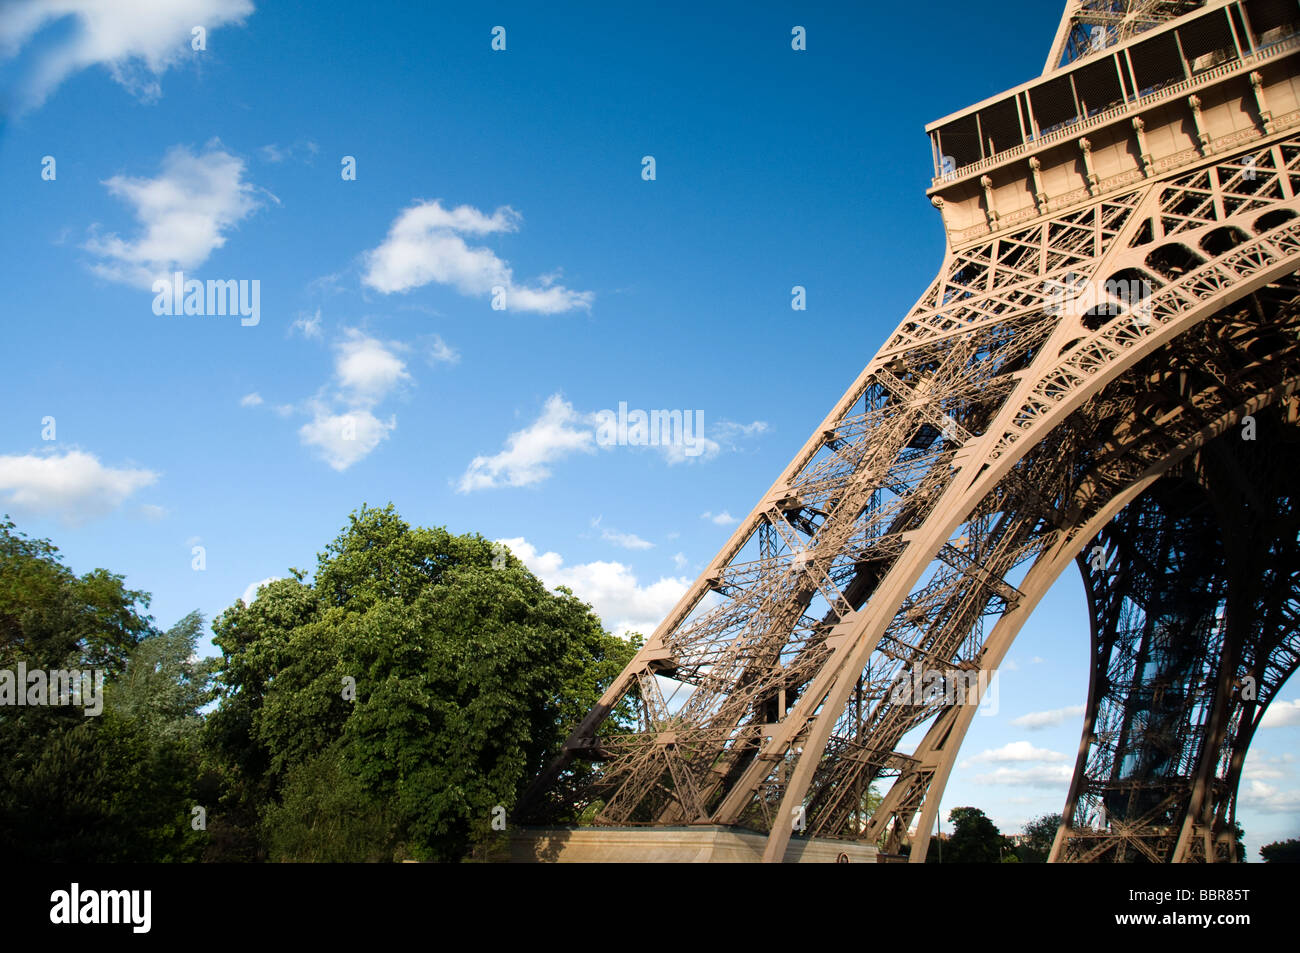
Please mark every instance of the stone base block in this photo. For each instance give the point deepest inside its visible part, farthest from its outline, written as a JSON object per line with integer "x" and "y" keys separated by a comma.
{"x": 672, "y": 845}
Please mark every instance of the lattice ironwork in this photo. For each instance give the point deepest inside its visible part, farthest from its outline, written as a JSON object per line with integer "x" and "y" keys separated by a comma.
{"x": 1050, "y": 388}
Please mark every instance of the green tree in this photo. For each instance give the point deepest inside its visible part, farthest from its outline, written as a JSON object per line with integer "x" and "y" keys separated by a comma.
{"x": 975, "y": 839}
{"x": 75, "y": 787}
{"x": 1039, "y": 835}
{"x": 1281, "y": 852}
{"x": 467, "y": 679}
{"x": 165, "y": 684}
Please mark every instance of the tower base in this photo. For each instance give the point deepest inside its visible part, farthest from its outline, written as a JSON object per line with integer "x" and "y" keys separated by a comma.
{"x": 668, "y": 845}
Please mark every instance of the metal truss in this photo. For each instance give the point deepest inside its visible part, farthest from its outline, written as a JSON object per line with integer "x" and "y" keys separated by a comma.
{"x": 1194, "y": 592}
{"x": 1051, "y": 375}
{"x": 1090, "y": 26}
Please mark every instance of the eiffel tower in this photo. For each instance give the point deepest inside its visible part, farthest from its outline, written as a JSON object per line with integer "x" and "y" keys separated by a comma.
{"x": 1104, "y": 372}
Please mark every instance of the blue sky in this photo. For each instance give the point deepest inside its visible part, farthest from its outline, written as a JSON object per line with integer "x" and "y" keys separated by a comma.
{"x": 476, "y": 169}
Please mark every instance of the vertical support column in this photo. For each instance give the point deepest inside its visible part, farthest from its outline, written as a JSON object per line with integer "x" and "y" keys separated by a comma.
{"x": 1232, "y": 28}
{"x": 1202, "y": 138}
{"x": 1265, "y": 115}
{"x": 1144, "y": 153}
{"x": 1182, "y": 57}
{"x": 1119, "y": 74}
{"x": 1128, "y": 61}
{"x": 1094, "y": 183}
{"x": 1040, "y": 197}
{"x": 1250, "y": 28}
{"x": 989, "y": 210}
{"x": 1029, "y": 108}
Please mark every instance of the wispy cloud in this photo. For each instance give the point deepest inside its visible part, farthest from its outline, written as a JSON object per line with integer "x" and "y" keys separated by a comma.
{"x": 439, "y": 352}
{"x": 1046, "y": 719}
{"x": 529, "y": 453}
{"x": 721, "y": 519}
{"x": 342, "y": 439}
{"x": 308, "y": 325}
{"x": 136, "y": 40}
{"x": 250, "y": 593}
{"x": 368, "y": 369}
{"x": 305, "y": 150}
{"x": 343, "y": 428}
{"x": 1038, "y": 776}
{"x": 1279, "y": 714}
{"x": 184, "y": 215}
{"x": 1016, "y": 751}
{"x": 1268, "y": 799}
{"x": 562, "y": 431}
{"x": 625, "y": 540}
{"x": 612, "y": 589}
{"x": 72, "y": 485}
{"x": 251, "y": 400}
{"x": 426, "y": 245}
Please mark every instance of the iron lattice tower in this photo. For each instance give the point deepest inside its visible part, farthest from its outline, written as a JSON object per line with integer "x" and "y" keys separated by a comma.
{"x": 1116, "y": 317}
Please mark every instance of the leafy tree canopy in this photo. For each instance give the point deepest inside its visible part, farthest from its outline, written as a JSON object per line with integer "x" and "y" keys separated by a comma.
{"x": 409, "y": 673}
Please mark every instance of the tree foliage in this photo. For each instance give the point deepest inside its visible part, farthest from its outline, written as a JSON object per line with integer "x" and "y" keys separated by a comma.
{"x": 114, "y": 787}
{"x": 1038, "y": 837}
{"x": 467, "y": 679}
{"x": 975, "y": 839}
{"x": 1281, "y": 852}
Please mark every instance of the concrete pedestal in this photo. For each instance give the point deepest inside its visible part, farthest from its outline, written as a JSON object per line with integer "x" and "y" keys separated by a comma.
{"x": 698, "y": 845}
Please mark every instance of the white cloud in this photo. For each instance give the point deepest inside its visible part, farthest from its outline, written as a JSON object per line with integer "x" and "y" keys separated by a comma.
{"x": 72, "y": 485}
{"x": 368, "y": 369}
{"x": 1280, "y": 714}
{"x": 343, "y": 428}
{"x": 250, "y": 594}
{"x": 250, "y": 400}
{"x": 680, "y": 560}
{"x": 153, "y": 512}
{"x": 701, "y": 448}
{"x": 611, "y": 588}
{"x": 302, "y": 149}
{"x": 1263, "y": 770}
{"x": 1046, "y": 719}
{"x": 626, "y": 540}
{"x": 1268, "y": 799}
{"x": 344, "y": 438}
{"x": 184, "y": 214}
{"x": 721, "y": 519}
{"x": 425, "y": 245}
{"x": 1017, "y": 751}
{"x": 1039, "y": 776}
{"x": 307, "y": 325}
{"x": 731, "y": 433}
{"x": 440, "y": 352}
{"x": 136, "y": 40}
{"x": 557, "y": 433}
